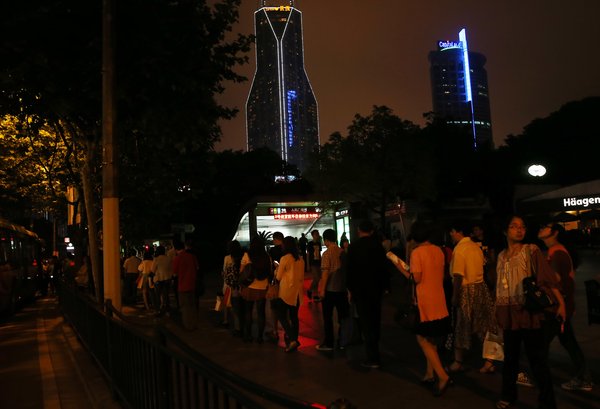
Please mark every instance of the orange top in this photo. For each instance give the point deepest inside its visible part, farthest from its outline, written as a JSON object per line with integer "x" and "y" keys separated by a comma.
{"x": 427, "y": 266}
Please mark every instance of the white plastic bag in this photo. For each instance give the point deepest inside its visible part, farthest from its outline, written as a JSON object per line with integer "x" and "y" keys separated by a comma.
{"x": 493, "y": 347}
{"x": 219, "y": 303}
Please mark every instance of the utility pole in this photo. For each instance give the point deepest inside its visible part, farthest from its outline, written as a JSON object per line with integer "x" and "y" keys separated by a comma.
{"x": 110, "y": 169}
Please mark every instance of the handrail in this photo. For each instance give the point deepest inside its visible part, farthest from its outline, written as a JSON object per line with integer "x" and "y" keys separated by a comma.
{"x": 255, "y": 388}
{"x": 160, "y": 370}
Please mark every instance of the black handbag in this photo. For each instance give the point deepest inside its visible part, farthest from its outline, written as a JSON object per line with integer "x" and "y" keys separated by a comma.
{"x": 407, "y": 315}
{"x": 536, "y": 299}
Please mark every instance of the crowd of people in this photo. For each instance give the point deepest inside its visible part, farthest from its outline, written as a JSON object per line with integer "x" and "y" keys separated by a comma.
{"x": 161, "y": 271}
{"x": 488, "y": 296}
{"x": 465, "y": 291}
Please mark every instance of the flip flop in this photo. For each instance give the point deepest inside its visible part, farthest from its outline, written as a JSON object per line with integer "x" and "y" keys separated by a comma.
{"x": 488, "y": 368}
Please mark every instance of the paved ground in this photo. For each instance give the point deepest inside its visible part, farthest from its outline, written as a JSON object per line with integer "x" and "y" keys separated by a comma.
{"x": 43, "y": 366}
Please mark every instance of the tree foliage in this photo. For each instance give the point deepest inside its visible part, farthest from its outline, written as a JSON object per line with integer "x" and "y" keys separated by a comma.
{"x": 566, "y": 142}
{"x": 171, "y": 61}
{"x": 382, "y": 159}
{"x": 36, "y": 167}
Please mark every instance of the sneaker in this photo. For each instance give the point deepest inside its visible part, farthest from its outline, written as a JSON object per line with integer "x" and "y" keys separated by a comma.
{"x": 323, "y": 347}
{"x": 523, "y": 380}
{"x": 292, "y": 346}
{"x": 577, "y": 385}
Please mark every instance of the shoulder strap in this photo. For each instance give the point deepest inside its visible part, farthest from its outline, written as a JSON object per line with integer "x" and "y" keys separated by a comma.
{"x": 531, "y": 262}
{"x": 411, "y": 279}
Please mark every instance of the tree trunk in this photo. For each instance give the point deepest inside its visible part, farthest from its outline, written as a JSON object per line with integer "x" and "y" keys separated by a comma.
{"x": 90, "y": 209}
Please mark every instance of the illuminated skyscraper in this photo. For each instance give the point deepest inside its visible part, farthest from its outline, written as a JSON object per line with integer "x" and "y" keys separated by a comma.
{"x": 460, "y": 89}
{"x": 281, "y": 110}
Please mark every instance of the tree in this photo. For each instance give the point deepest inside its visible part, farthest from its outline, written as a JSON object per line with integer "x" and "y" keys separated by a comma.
{"x": 172, "y": 60}
{"x": 382, "y": 159}
{"x": 566, "y": 142}
{"x": 32, "y": 165}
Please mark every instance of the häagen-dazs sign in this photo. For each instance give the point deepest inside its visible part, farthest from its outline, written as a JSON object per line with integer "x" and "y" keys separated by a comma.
{"x": 571, "y": 202}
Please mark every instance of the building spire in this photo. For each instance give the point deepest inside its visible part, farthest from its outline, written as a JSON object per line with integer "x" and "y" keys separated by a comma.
{"x": 263, "y": 3}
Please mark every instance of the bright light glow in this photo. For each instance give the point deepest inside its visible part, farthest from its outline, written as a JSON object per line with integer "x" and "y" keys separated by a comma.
{"x": 537, "y": 170}
{"x": 299, "y": 216}
{"x": 291, "y": 96}
{"x": 462, "y": 36}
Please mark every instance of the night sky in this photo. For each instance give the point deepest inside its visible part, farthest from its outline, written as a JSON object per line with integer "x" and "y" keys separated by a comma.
{"x": 540, "y": 55}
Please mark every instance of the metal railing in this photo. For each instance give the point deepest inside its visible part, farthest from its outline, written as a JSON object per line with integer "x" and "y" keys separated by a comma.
{"x": 149, "y": 367}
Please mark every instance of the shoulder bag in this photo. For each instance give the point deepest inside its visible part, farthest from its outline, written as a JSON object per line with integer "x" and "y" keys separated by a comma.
{"x": 407, "y": 315}
{"x": 273, "y": 290}
{"x": 536, "y": 299}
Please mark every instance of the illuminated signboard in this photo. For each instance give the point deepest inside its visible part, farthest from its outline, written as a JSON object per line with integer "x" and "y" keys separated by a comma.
{"x": 570, "y": 202}
{"x": 342, "y": 213}
{"x": 284, "y": 178}
{"x": 294, "y": 210}
{"x": 299, "y": 216}
{"x": 444, "y": 45}
{"x": 278, "y": 8}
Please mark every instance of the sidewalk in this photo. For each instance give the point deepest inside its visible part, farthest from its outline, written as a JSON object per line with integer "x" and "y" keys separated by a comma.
{"x": 43, "y": 364}
{"x": 323, "y": 377}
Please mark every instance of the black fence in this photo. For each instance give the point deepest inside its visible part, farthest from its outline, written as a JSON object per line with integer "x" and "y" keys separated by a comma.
{"x": 149, "y": 367}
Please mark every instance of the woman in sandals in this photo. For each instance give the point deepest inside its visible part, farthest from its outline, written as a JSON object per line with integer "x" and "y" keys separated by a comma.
{"x": 519, "y": 325}
{"x": 471, "y": 299}
{"x": 427, "y": 266}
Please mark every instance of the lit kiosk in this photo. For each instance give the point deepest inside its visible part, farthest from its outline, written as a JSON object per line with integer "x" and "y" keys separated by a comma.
{"x": 281, "y": 110}
{"x": 292, "y": 216}
{"x": 459, "y": 89}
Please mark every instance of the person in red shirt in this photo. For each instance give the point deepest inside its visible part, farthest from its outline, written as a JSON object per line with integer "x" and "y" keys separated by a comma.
{"x": 185, "y": 266}
{"x": 561, "y": 261}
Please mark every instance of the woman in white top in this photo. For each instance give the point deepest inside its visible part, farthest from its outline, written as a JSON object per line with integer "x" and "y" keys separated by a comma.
{"x": 290, "y": 275}
{"x": 162, "y": 269}
{"x": 145, "y": 283}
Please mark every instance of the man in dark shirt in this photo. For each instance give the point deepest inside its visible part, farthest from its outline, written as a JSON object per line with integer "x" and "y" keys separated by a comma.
{"x": 302, "y": 244}
{"x": 314, "y": 262}
{"x": 275, "y": 252}
{"x": 366, "y": 280}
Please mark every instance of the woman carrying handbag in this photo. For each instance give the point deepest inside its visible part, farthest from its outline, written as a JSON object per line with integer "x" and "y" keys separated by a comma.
{"x": 427, "y": 268}
{"x": 290, "y": 275}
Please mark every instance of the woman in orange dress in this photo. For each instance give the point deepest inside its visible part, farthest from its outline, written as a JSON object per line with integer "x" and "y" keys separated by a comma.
{"x": 427, "y": 267}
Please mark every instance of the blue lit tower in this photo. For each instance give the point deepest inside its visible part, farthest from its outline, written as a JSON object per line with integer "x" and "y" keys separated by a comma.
{"x": 281, "y": 110}
{"x": 460, "y": 89}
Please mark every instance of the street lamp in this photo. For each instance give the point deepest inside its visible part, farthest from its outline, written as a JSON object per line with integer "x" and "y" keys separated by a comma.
{"x": 537, "y": 170}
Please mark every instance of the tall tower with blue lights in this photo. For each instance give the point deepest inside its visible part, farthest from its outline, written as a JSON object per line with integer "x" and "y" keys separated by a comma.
{"x": 281, "y": 110}
{"x": 459, "y": 89}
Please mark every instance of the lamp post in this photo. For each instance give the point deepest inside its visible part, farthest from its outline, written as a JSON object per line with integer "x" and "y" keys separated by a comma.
{"x": 536, "y": 170}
